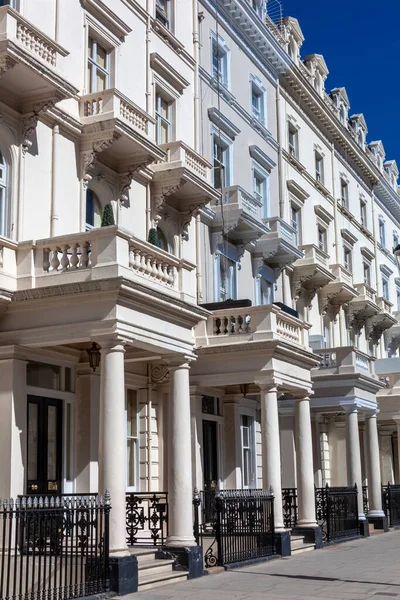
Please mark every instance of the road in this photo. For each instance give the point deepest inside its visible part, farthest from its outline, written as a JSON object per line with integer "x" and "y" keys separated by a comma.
{"x": 357, "y": 570}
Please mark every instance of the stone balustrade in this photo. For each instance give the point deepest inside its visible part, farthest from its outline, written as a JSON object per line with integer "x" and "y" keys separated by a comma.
{"x": 254, "y": 323}
{"x": 111, "y": 104}
{"x": 346, "y": 359}
{"x": 366, "y": 292}
{"x": 14, "y": 27}
{"x": 102, "y": 253}
{"x": 314, "y": 255}
{"x": 179, "y": 152}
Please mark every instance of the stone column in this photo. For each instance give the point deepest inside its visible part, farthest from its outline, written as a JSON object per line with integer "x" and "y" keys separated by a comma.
{"x": 375, "y": 512}
{"x": 271, "y": 452}
{"x": 305, "y": 470}
{"x": 353, "y": 456}
{"x": 179, "y": 458}
{"x": 112, "y": 445}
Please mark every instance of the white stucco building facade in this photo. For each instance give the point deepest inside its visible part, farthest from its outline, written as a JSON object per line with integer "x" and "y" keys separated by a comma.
{"x": 246, "y": 293}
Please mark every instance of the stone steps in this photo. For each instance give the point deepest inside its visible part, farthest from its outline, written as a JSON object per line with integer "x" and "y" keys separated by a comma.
{"x": 298, "y": 545}
{"x": 155, "y": 572}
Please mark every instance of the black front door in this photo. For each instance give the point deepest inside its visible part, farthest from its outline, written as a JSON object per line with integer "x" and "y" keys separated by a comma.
{"x": 44, "y": 445}
{"x": 210, "y": 455}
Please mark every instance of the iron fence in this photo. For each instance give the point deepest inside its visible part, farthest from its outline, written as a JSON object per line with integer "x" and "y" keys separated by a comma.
{"x": 146, "y": 518}
{"x": 337, "y": 513}
{"x": 53, "y": 548}
{"x": 290, "y": 507}
{"x": 391, "y": 503}
{"x": 365, "y": 499}
{"x": 243, "y": 528}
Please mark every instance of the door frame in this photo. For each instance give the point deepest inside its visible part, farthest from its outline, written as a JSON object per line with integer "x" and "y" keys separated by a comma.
{"x": 67, "y": 485}
{"x": 220, "y": 460}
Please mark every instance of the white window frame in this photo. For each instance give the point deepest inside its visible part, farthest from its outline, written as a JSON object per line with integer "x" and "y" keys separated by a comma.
{"x": 263, "y": 177}
{"x": 395, "y": 239}
{"x": 398, "y": 297}
{"x": 91, "y": 85}
{"x": 344, "y": 193}
{"x": 225, "y": 253}
{"x": 382, "y": 232}
{"x": 160, "y": 119}
{"x": 221, "y": 72}
{"x": 259, "y": 300}
{"x": 385, "y": 288}
{"x": 135, "y": 487}
{"x": 348, "y": 264}
{"x": 163, "y": 16}
{"x": 226, "y": 163}
{"x": 319, "y": 167}
{"x": 258, "y": 7}
{"x": 367, "y": 274}
{"x": 3, "y": 196}
{"x": 363, "y": 214}
{"x": 322, "y": 238}
{"x": 251, "y": 448}
{"x": 257, "y": 91}
{"x": 296, "y": 223}
{"x": 293, "y": 144}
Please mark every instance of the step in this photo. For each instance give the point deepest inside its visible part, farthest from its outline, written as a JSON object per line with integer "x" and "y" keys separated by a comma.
{"x": 154, "y": 567}
{"x": 153, "y": 581}
{"x": 298, "y": 545}
{"x": 304, "y": 548}
{"x": 143, "y": 554}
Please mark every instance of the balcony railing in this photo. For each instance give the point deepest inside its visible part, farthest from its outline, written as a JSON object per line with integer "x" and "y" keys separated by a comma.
{"x": 254, "y": 323}
{"x": 105, "y": 252}
{"x": 15, "y": 28}
{"x": 283, "y": 229}
{"x": 111, "y": 104}
{"x": 346, "y": 359}
{"x": 313, "y": 255}
{"x": 366, "y": 292}
{"x": 342, "y": 274}
{"x": 236, "y": 195}
{"x": 179, "y": 152}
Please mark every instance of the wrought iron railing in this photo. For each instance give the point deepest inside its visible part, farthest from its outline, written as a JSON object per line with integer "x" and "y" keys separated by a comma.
{"x": 146, "y": 518}
{"x": 54, "y": 547}
{"x": 365, "y": 499}
{"x": 391, "y": 503}
{"x": 290, "y": 508}
{"x": 244, "y": 527}
{"x": 337, "y": 512}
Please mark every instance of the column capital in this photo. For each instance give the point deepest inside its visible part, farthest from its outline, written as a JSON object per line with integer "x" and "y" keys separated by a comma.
{"x": 350, "y": 408}
{"x": 267, "y": 386}
{"x": 111, "y": 345}
{"x": 302, "y": 394}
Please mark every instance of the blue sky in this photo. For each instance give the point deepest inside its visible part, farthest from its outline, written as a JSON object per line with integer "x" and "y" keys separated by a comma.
{"x": 359, "y": 41}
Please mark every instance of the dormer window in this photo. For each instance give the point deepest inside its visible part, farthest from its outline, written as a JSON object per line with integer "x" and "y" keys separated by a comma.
{"x": 342, "y": 115}
{"x": 258, "y": 7}
{"x": 360, "y": 139}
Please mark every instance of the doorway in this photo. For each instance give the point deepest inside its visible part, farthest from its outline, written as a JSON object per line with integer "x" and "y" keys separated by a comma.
{"x": 44, "y": 460}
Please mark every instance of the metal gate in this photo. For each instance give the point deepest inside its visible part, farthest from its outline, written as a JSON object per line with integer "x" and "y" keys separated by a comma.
{"x": 391, "y": 503}
{"x": 337, "y": 513}
{"x": 236, "y": 525}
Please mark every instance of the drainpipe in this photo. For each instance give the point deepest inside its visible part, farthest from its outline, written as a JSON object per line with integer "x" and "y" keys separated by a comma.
{"x": 57, "y": 21}
{"x": 280, "y": 137}
{"x": 336, "y": 230}
{"x": 377, "y": 283}
{"x": 149, "y": 436}
{"x": 54, "y": 203}
{"x": 196, "y": 53}
{"x": 199, "y": 292}
{"x": 148, "y": 108}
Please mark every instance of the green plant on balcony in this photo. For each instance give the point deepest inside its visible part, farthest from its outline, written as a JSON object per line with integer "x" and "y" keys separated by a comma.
{"x": 153, "y": 237}
{"x": 108, "y": 216}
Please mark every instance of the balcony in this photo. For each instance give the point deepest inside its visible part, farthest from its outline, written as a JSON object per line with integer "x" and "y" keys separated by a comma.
{"x": 362, "y": 307}
{"x": 30, "y": 64}
{"x": 337, "y": 292}
{"x": 382, "y": 321}
{"x": 241, "y": 214}
{"x": 183, "y": 179}
{"x": 232, "y": 326}
{"x": 392, "y": 335}
{"x": 279, "y": 245}
{"x": 310, "y": 273}
{"x": 122, "y": 131}
{"x": 99, "y": 255}
{"x": 345, "y": 360}
{"x": 8, "y": 271}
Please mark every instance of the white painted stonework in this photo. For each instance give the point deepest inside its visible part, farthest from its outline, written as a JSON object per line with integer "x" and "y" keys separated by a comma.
{"x": 232, "y": 175}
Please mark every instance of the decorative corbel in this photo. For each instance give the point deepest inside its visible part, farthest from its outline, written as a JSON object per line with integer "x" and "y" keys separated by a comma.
{"x": 89, "y": 156}
{"x": 159, "y": 373}
{"x": 29, "y": 123}
{"x": 125, "y": 182}
{"x": 158, "y": 201}
{"x": 6, "y": 64}
{"x": 186, "y": 217}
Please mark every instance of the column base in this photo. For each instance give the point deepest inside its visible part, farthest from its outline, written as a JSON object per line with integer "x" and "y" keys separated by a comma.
{"x": 379, "y": 522}
{"x": 180, "y": 542}
{"x": 123, "y": 574}
{"x": 282, "y": 541}
{"x": 189, "y": 558}
{"x": 312, "y": 535}
{"x": 364, "y": 527}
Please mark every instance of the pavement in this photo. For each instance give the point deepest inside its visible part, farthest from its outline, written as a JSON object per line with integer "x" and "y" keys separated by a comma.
{"x": 358, "y": 570}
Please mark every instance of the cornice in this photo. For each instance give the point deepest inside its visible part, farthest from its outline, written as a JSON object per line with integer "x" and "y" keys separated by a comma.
{"x": 107, "y": 17}
{"x": 222, "y": 122}
{"x": 168, "y": 37}
{"x": 163, "y": 68}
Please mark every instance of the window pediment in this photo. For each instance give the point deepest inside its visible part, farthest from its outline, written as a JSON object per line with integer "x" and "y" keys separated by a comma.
{"x": 107, "y": 17}
{"x": 324, "y": 216}
{"x": 297, "y": 191}
{"x": 367, "y": 254}
{"x": 223, "y": 123}
{"x": 263, "y": 159}
{"x": 164, "y": 69}
{"x": 348, "y": 236}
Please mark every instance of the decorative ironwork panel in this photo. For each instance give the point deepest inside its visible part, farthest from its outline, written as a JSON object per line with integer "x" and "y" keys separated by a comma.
{"x": 337, "y": 512}
{"x": 365, "y": 499}
{"x": 146, "y": 518}
{"x": 393, "y": 502}
{"x": 54, "y": 547}
{"x": 290, "y": 508}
